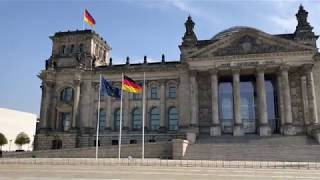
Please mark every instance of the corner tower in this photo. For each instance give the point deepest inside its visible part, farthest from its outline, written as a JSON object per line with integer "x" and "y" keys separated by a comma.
{"x": 82, "y": 49}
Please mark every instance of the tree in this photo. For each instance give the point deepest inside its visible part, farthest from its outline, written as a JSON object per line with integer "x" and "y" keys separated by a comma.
{"x": 3, "y": 140}
{"x": 21, "y": 139}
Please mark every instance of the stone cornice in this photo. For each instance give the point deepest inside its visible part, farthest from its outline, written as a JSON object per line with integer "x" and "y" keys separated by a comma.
{"x": 284, "y": 67}
{"x": 235, "y": 69}
{"x": 250, "y": 56}
{"x": 260, "y": 68}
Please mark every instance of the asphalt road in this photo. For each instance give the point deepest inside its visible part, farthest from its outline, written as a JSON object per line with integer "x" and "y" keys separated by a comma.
{"x": 63, "y": 172}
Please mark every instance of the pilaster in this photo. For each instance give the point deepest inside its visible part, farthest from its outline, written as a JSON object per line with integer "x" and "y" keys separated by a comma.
{"x": 163, "y": 106}
{"x": 75, "y": 115}
{"x": 126, "y": 111}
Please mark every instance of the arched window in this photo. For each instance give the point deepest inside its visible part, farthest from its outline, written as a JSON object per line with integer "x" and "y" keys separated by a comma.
{"x": 66, "y": 94}
{"x": 116, "y": 119}
{"x": 136, "y": 119}
{"x": 102, "y": 119}
{"x": 154, "y": 118}
{"x": 173, "y": 119}
{"x": 172, "y": 91}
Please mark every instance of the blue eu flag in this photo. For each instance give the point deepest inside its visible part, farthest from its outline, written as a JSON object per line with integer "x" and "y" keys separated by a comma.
{"x": 106, "y": 87}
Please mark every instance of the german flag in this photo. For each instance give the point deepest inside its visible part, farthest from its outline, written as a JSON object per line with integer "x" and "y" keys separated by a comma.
{"x": 88, "y": 18}
{"x": 130, "y": 86}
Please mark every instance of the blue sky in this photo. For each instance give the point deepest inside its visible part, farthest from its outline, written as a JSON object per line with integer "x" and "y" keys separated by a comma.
{"x": 131, "y": 27}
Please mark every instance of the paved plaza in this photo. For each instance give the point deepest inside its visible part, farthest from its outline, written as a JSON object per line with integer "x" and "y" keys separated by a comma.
{"x": 82, "y": 172}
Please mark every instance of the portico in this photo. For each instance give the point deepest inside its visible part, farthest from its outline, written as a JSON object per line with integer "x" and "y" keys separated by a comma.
{"x": 248, "y": 99}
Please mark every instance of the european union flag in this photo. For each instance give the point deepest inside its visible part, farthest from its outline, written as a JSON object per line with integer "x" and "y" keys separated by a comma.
{"x": 106, "y": 87}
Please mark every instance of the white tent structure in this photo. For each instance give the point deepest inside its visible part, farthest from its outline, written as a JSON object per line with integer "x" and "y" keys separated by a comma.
{"x": 13, "y": 122}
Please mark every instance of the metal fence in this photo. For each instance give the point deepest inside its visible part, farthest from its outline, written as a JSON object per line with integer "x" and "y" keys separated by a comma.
{"x": 161, "y": 162}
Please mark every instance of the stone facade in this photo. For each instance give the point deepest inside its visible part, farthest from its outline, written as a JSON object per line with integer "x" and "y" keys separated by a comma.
{"x": 241, "y": 81}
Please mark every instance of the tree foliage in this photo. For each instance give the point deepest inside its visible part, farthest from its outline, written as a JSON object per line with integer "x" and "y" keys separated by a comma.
{"x": 3, "y": 139}
{"x": 22, "y": 138}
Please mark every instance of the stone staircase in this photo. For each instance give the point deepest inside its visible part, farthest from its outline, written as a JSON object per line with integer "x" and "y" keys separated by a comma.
{"x": 254, "y": 148}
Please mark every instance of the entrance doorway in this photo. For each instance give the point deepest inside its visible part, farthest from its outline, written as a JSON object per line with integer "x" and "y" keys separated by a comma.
{"x": 248, "y": 103}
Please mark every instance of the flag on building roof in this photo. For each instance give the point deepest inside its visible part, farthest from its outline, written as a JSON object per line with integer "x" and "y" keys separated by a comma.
{"x": 106, "y": 87}
{"x": 88, "y": 18}
{"x": 130, "y": 85}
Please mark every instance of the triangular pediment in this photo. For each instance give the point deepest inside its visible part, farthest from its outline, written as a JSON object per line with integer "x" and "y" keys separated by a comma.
{"x": 249, "y": 42}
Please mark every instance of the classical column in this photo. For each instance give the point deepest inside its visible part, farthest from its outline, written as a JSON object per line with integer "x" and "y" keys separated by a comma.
{"x": 126, "y": 112}
{"x": 288, "y": 127}
{"x": 238, "y": 126}
{"x": 264, "y": 127}
{"x": 305, "y": 102}
{"x": 194, "y": 99}
{"x": 76, "y": 100}
{"x": 280, "y": 100}
{"x": 163, "y": 105}
{"x": 311, "y": 95}
{"x": 215, "y": 129}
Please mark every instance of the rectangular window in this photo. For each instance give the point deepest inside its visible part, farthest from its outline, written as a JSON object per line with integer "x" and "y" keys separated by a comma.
{"x": 154, "y": 93}
{"x": 172, "y": 92}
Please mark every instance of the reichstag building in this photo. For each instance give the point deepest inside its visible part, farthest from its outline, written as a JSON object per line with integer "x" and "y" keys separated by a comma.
{"x": 241, "y": 81}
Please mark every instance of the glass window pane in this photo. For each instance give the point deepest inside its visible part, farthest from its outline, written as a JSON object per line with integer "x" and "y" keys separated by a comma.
{"x": 226, "y": 106}
{"x": 172, "y": 92}
{"x": 154, "y": 119}
{"x": 117, "y": 119}
{"x": 65, "y": 120}
{"x": 136, "y": 119}
{"x": 173, "y": 119}
{"x": 67, "y": 94}
{"x": 102, "y": 119}
{"x": 154, "y": 93}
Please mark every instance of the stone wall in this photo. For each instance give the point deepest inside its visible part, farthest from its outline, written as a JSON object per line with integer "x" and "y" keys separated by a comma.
{"x": 79, "y": 140}
{"x": 152, "y": 150}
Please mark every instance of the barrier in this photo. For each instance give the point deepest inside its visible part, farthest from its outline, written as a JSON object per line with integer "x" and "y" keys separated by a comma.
{"x": 161, "y": 162}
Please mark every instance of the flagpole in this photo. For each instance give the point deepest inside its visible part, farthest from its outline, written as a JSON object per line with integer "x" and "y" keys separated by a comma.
{"x": 83, "y": 21}
{"x": 143, "y": 112}
{"x": 120, "y": 124}
{"x": 98, "y": 121}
